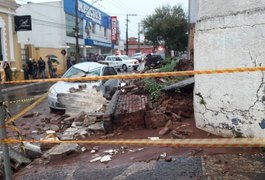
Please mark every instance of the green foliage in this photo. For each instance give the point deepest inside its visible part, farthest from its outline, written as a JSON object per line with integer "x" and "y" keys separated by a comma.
{"x": 168, "y": 25}
{"x": 168, "y": 67}
{"x": 153, "y": 88}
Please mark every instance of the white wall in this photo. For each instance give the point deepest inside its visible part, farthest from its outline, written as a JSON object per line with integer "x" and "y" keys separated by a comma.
{"x": 48, "y": 25}
{"x": 229, "y": 35}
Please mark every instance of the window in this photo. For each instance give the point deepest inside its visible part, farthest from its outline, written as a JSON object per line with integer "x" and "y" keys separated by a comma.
{"x": 105, "y": 32}
{"x": 118, "y": 59}
{"x": 109, "y": 71}
{"x": 70, "y": 24}
{"x": 93, "y": 28}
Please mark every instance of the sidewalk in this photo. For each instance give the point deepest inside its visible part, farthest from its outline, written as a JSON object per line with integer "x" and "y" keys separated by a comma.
{"x": 7, "y": 88}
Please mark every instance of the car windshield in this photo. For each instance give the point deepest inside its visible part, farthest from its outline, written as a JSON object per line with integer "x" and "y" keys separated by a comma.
{"x": 74, "y": 72}
{"x": 125, "y": 57}
{"x": 137, "y": 54}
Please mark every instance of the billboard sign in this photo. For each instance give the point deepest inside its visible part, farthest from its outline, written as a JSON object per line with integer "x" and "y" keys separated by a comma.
{"x": 23, "y": 23}
{"x": 114, "y": 29}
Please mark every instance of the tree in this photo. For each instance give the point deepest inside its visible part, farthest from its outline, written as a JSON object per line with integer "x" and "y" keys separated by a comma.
{"x": 168, "y": 26}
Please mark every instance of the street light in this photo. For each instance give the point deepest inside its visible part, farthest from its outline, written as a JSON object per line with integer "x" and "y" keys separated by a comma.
{"x": 127, "y": 24}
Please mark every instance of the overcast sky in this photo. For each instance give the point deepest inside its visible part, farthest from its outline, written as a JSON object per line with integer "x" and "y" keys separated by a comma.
{"x": 120, "y": 8}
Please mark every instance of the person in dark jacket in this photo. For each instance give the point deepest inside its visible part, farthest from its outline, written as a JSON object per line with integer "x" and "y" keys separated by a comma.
{"x": 8, "y": 71}
{"x": 35, "y": 69}
{"x": 30, "y": 68}
{"x": 42, "y": 68}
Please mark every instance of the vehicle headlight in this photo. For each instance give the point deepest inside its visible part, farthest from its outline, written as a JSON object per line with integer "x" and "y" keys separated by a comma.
{"x": 52, "y": 92}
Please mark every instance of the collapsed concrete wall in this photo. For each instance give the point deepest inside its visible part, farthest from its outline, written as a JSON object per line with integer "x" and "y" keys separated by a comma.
{"x": 230, "y": 34}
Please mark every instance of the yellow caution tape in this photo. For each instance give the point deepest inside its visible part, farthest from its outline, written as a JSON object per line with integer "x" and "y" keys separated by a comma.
{"x": 208, "y": 143}
{"x": 20, "y": 101}
{"x": 146, "y": 75}
{"x": 24, "y": 111}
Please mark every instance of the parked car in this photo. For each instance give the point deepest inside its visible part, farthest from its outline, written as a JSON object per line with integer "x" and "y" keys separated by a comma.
{"x": 138, "y": 56}
{"x": 122, "y": 62}
{"x": 153, "y": 60}
{"x": 85, "y": 69}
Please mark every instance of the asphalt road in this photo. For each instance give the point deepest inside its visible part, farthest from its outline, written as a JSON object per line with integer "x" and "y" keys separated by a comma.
{"x": 178, "y": 168}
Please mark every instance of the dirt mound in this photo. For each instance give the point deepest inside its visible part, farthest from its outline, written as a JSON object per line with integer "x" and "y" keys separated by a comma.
{"x": 184, "y": 65}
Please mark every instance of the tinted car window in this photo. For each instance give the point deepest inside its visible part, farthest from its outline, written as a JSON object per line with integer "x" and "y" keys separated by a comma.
{"x": 108, "y": 71}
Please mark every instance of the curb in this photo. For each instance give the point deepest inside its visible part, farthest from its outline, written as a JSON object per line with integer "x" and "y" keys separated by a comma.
{"x": 20, "y": 87}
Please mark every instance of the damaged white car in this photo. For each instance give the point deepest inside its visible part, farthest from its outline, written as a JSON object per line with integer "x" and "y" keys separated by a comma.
{"x": 105, "y": 87}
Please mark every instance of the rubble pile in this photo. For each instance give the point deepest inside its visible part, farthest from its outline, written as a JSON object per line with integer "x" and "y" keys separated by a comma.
{"x": 184, "y": 65}
{"x": 171, "y": 115}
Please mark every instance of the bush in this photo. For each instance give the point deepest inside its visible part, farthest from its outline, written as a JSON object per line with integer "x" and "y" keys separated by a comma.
{"x": 168, "y": 66}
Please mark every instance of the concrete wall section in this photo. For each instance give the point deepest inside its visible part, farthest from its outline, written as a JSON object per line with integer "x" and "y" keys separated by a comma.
{"x": 230, "y": 35}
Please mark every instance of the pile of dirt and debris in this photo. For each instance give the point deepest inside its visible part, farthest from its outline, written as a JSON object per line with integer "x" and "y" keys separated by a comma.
{"x": 184, "y": 65}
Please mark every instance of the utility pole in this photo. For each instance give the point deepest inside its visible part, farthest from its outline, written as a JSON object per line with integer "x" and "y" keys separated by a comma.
{"x": 127, "y": 24}
{"x": 76, "y": 33}
{"x": 139, "y": 32}
{"x": 8, "y": 174}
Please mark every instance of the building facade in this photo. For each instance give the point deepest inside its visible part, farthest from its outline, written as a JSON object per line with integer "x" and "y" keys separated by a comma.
{"x": 53, "y": 31}
{"x": 230, "y": 35}
{"x": 9, "y": 47}
{"x": 133, "y": 47}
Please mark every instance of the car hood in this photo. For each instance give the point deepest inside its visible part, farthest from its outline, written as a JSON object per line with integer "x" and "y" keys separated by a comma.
{"x": 63, "y": 87}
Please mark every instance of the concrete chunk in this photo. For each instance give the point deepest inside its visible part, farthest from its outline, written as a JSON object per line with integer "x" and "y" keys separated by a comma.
{"x": 63, "y": 149}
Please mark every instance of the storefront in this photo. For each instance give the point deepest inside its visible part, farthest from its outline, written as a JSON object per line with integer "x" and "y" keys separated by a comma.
{"x": 94, "y": 29}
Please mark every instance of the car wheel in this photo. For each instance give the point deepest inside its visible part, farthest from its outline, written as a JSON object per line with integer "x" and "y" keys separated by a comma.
{"x": 135, "y": 68}
{"x": 52, "y": 110}
{"x": 124, "y": 67}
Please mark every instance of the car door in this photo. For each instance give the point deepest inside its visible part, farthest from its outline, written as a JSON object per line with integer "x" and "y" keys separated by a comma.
{"x": 119, "y": 62}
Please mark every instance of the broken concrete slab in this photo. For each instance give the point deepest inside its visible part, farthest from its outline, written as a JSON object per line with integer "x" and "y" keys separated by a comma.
{"x": 183, "y": 86}
{"x": 32, "y": 151}
{"x": 17, "y": 158}
{"x": 97, "y": 126}
{"x": 106, "y": 158}
{"x": 164, "y": 131}
{"x": 95, "y": 159}
{"x": 63, "y": 149}
{"x": 87, "y": 101}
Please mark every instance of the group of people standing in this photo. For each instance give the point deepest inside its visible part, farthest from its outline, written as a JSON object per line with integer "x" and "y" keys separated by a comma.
{"x": 37, "y": 69}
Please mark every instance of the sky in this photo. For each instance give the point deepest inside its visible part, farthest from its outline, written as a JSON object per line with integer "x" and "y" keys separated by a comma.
{"x": 120, "y": 8}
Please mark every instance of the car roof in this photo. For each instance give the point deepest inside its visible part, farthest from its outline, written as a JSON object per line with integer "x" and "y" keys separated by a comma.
{"x": 88, "y": 66}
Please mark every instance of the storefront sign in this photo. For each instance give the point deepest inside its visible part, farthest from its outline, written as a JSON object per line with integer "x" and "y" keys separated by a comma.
{"x": 87, "y": 12}
{"x": 90, "y": 12}
{"x": 92, "y": 42}
{"x": 114, "y": 32}
{"x": 23, "y": 23}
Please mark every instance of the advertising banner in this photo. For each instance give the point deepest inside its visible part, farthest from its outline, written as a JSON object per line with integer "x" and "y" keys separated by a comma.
{"x": 114, "y": 29}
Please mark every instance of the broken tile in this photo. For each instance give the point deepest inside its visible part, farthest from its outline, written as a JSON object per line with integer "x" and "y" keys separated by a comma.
{"x": 106, "y": 158}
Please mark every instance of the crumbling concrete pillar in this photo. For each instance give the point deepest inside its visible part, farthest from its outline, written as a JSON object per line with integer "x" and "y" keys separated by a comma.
{"x": 230, "y": 34}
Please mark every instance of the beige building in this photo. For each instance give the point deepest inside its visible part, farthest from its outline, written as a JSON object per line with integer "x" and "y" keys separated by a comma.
{"x": 9, "y": 47}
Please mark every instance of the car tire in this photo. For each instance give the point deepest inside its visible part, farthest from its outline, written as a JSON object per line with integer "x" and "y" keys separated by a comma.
{"x": 52, "y": 110}
{"x": 124, "y": 67}
{"x": 135, "y": 68}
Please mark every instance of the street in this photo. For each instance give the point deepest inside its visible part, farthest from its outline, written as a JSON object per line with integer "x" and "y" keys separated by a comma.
{"x": 107, "y": 90}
